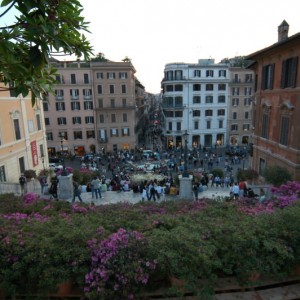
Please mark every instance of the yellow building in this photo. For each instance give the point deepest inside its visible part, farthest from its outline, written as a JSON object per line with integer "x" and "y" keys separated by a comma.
{"x": 22, "y": 136}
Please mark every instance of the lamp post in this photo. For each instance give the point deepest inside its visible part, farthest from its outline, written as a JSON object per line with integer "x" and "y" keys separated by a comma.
{"x": 185, "y": 137}
{"x": 64, "y": 171}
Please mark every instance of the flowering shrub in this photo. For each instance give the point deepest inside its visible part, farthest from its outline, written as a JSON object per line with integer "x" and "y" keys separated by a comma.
{"x": 286, "y": 194}
{"x": 30, "y": 198}
{"x": 69, "y": 170}
{"x": 118, "y": 265}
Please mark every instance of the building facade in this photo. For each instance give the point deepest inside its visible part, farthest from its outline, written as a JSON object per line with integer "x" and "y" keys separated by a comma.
{"x": 195, "y": 99}
{"x": 276, "y": 109}
{"x": 22, "y": 137}
{"x": 93, "y": 109}
{"x": 241, "y": 91}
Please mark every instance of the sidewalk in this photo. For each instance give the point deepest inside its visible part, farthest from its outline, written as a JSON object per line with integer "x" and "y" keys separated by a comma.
{"x": 116, "y": 197}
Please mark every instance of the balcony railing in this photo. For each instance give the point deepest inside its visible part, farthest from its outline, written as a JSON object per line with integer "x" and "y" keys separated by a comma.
{"x": 113, "y": 107}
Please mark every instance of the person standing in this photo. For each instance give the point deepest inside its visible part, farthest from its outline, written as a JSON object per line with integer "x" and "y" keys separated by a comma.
{"x": 43, "y": 183}
{"x": 235, "y": 190}
{"x": 22, "y": 182}
{"x": 53, "y": 187}
{"x": 96, "y": 184}
{"x": 76, "y": 191}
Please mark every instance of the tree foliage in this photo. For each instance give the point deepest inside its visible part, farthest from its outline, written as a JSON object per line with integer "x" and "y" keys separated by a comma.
{"x": 277, "y": 175}
{"x": 41, "y": 30}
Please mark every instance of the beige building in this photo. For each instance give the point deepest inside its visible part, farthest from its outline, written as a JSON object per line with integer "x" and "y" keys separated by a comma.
{"x": 22, "y": 137}
{"x": 93, "y": 108}
{"x": 241, "y": 90}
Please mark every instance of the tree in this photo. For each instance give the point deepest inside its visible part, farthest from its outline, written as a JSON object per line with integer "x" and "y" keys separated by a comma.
{"x": 277, "y": 175}
{"x": 42, "y": 30}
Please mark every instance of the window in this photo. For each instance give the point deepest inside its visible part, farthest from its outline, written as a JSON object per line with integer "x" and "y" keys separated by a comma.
{"x": 246, "y": 127}
{"x": 61, "y": 121}
{"x": 88, "y": 105}
{"x": 89, "y": 120}
{"x": 222, "y": 73}
{"x": 170, "y": 126}
{"x": 221, "y": 123}
{"x": 234, "y": 127}
{"x": 178, "y": 88}
{"x": 169, "y": 114}
{"x": 99, "y": 89}
{"x": 125, "y": 131}
{"x": 209, "y": 87}
{"x": 38, "y": 122}
{"x": 247, "y": 91}
{"x": 265, "y": 126}
{"x": 267, "y": 77}
{"x": 208, "y": 124}
{"x": 196, "y": 113}
{"x": 87, "y": 93}
{"x": 113, "y": 118}
{"x": 209, "y": 99}
{"x": 22, "y": 164}
{"x": 17, "y": 129}
{"x": 124, "y": 102}
{"x": 235, "y": 91}
{"x": 99, "y": 75}
{"x": 197, "y": 73}
{"x": 45, "y": 106}
{"x": 113, "y": 132}
{"x": 247, "y": 101}
{"x": 59, "y": 94}
{"x": 100, "y": 102}
{"x": 221, "y": 87}
{"x": 90, "y": 134}
{"x": 102, "y": 135}
{"x": 246, "y": 115}
{"x": 221, "y": 112}
{"x": 196, "y": 125}
{"x": 86, "y": 78}
{"x": 289, "y": 72}
{"x": 74, "y": 93}
{"x": 169, "y": 75}
{"x": 196, "y": 99}
{"x": 178, "y": 126}
{"x": 248, "y": 78}
{"x": 111, "y": 75}
{"x": 221, "y": 99}
{"x": 196, "y": 87}
{"x": 101, "y": 118}
{"x": 234, "y": 115}
{"x": 124, "y": 117}
{"x": 178, "y": 102}
{"x": 60, "y": 106}
{"x": 178, "y": 114}
{"x": 2, "y": 174}
{"x": 235, "y": 101}
{"x": 112, "y": 103}
{"x": 178, "y": 75}
{"x": 169, "y": 88}
{"x": 49, "y": 136}
{"x": 47, "y": 121}
{"x": 76, "y": 120}
{"x": 284, "y": 130}
{"x": 73, "y": 78}
{"x": 208, "y": 113}
{"x": 75, "y": 105}
{"x": 122, "y": 75}
{"x": 111, "y": 89}
{"x": 123, "y": 88}
{"x": 77, "y": 135}
{"x": 209, "y": 73}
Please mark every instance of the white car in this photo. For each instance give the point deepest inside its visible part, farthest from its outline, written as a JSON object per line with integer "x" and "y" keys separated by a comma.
{"x": 55, "y": 167}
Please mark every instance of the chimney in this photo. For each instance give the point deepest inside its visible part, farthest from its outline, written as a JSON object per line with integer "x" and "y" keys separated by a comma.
{"x": 283, "y": 31}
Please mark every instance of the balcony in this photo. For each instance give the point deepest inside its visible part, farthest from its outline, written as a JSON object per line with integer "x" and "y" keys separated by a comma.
{"x": 172, "y": 106}
{"x": 102, "y": 140}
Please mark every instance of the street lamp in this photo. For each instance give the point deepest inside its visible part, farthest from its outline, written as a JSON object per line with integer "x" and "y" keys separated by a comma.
{"x": 62, "y": 136}
{"x": 185, "y": 137}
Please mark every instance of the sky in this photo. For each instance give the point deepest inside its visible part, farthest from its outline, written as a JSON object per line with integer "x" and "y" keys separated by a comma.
{"x": 153, "y": 33}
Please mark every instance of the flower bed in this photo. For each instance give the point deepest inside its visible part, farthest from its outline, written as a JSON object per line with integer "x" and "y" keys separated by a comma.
{"x": 118, "y": 251}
